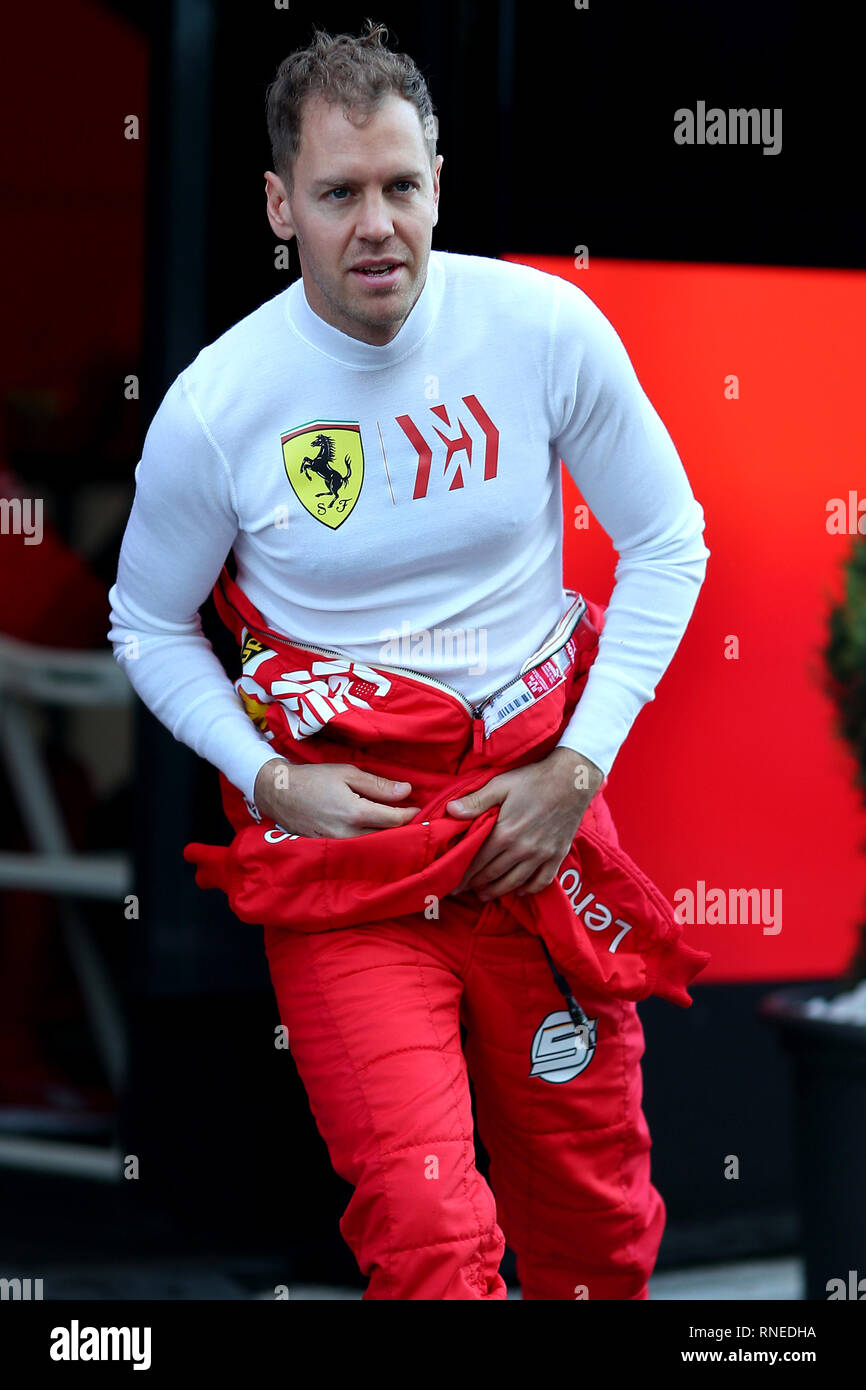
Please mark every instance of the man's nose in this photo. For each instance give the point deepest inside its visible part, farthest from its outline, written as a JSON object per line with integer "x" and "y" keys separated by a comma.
{"x": 374, "y": 219}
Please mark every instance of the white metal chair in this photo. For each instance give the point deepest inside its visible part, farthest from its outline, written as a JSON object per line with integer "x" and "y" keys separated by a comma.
{"x": 51, "y": 676}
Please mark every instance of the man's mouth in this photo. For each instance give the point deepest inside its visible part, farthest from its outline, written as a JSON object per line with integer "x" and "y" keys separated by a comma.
{"x": 385, "y": 272}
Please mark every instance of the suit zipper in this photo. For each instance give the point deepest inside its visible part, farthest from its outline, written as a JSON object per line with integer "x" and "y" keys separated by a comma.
{"x": 475, "y": 711}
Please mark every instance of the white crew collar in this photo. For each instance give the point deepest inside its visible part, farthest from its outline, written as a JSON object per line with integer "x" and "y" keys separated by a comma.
{"x": 352, "y": 352}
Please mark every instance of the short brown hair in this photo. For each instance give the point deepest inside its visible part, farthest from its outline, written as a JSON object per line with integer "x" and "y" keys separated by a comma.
{"x": 356, "y": 71}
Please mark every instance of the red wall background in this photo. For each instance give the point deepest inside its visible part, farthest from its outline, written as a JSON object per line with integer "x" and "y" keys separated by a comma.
{"x": 734, "y": 773}
{"x": 73, "y": 195}
{"x": 71, "y": 286}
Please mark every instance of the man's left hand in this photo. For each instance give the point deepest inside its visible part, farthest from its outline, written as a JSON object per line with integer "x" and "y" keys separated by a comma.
{"x": 542, "y": 807}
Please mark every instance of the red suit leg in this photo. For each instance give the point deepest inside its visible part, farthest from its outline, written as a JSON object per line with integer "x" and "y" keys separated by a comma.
{"x": 569, "y": 1158}
{"x": 373, "y": 1019}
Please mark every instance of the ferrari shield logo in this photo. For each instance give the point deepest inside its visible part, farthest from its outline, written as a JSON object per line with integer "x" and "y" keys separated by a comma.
{"x": 325, "y": 466}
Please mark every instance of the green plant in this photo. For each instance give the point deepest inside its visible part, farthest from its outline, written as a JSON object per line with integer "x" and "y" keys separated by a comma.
{"x": 845, "y": 657}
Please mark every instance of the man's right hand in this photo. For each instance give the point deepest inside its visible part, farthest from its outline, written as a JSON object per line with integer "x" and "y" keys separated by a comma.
{"x": 335, "y": 800}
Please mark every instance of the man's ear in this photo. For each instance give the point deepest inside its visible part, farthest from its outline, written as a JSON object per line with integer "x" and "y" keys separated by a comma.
{"x": 436, "y": 170}
{"x": 278, "y": 209}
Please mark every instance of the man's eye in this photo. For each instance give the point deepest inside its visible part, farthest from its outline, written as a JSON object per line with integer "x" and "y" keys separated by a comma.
{"x": 404, "y": 184}
{"x": 332, "y": 191}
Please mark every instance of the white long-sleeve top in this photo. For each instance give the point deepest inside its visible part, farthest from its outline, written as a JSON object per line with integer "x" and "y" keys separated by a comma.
{"x": 454, "y": 430}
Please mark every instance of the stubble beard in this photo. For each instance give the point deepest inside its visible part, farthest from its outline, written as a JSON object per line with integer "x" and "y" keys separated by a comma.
{"x": 351, "y": 311}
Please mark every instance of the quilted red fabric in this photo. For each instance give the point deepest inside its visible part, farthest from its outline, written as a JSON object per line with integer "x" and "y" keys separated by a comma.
{"x": 607, "y": 926}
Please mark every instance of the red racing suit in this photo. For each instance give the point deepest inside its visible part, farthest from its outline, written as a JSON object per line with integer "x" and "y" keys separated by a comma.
{"x": 376, "y": 965}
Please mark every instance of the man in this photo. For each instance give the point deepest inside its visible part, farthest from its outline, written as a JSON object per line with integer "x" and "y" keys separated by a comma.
{"x": 379, "y": 444}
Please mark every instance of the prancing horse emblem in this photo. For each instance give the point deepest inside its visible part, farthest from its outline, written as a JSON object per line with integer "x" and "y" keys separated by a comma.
{"x": 324, "y": 463}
